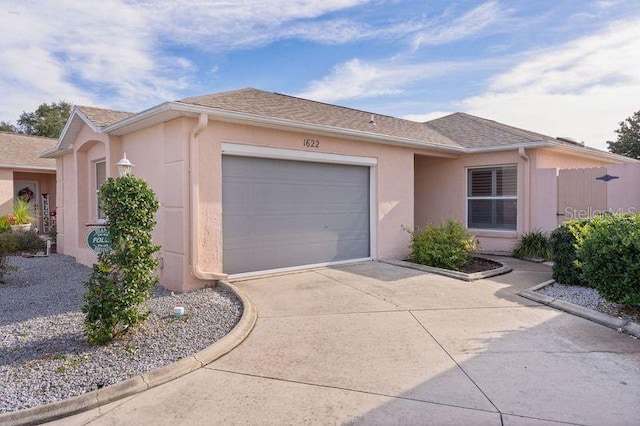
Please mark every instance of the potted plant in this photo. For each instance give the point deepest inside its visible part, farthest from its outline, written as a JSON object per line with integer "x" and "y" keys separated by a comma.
{"x": 23, "y": 215}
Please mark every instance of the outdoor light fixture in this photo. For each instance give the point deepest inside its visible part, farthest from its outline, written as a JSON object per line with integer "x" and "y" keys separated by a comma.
{"x": 124, "y": 166}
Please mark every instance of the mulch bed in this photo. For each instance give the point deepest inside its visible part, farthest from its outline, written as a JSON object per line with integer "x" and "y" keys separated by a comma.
{"x": 479, "y": 264}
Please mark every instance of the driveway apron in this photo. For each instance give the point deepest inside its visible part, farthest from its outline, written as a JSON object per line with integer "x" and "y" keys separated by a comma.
{"x": 374, "y": 343}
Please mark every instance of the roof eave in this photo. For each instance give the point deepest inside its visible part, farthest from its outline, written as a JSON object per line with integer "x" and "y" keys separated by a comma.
{"x": 595, "y": 153}
{"x": 54, "y": 152}
{"x": 70, "y": 133}
{"x": 528, "y": 145}
{"x": 576, "y": 150}
{"x": 27, "y": 167}
{"x": 170, "y": 110}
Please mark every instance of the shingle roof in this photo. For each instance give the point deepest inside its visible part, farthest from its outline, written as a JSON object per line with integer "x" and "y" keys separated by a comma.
{"x": 103, "y": 117}
{"x": 457, "y": 131}
{"x": 22, "y": 151}
{"x": 475, "y": 132}
{"x": 276, "y": 105}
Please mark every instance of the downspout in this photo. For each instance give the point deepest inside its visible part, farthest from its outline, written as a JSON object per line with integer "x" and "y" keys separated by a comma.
{"x": 194, "y": 201}
{"x": 527, "y": 189}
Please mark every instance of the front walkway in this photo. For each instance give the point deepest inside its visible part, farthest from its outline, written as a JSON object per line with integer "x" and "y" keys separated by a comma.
{"x": 379, "y": 344}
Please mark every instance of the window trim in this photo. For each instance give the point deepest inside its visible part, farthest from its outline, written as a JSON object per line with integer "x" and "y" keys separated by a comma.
{"x": 497, "y": 197}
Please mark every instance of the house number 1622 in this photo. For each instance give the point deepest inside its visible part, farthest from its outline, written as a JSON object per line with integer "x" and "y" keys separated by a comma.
{"x": 311, "y": 143}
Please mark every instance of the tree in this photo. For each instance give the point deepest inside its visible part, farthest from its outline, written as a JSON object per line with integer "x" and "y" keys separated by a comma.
{"x": 48, "y": 120}
{"x": 6, "y": 126}
{"x": 628, "y": 142}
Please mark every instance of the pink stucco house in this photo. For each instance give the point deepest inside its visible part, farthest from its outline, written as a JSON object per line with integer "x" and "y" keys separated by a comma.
{"x": 24, "y": 174}
{"x": 252, "y": 181}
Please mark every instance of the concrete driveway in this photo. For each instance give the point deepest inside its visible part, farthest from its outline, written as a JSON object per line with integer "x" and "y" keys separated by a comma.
{"x": 379, "y": 344}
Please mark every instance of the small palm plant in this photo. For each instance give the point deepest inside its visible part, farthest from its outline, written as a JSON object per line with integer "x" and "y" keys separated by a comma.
{"x": 23, "y": 211}
{"x": 533, "y": 245}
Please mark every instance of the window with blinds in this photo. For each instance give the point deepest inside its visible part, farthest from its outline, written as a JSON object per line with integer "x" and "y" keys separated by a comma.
{"x": 492, "y": 197}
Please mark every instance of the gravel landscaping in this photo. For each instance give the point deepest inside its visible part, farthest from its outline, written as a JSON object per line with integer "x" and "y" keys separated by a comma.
{"x": 44, "y": 356}
{"x": 589, "y": 298}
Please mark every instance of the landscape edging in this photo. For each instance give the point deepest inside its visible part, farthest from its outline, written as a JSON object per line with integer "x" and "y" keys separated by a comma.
{"x": 448, "y": 273}
{"x": 622, "y": 325}
{"x": 77, "y": 404}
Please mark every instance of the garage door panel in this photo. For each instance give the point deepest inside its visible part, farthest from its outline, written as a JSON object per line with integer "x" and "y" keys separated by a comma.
{"x": 279, "y": 213}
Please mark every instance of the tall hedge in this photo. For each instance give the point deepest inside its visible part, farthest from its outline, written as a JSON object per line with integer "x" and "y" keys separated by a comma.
{"x": 609, "y": 255}
{"x": 564, "y": 241}
{"x": 123, "y": 278}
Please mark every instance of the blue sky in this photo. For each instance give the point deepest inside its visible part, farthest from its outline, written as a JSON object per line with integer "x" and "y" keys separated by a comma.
{"x": 563, "y": 68}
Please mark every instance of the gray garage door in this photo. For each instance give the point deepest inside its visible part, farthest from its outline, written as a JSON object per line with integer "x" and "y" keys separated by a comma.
{"x": 281, "y": 213}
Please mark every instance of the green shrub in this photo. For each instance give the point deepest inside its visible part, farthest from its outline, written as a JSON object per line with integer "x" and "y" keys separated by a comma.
{"x": 563, "y": 241}
{"x": 609, "y": 255}
{"x": 9, "y": 242}
{"x": 123, "y": 278}
{"x": 4, "y": 224}
{"x": 8, "y": 245}
{"x": 533, "y": 245}
{"x": 29, "y": 240}
{"x": 447, "y": 246}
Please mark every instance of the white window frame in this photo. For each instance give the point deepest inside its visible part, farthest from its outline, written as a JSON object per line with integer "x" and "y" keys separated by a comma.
{"x": 494, "y": 168}
{"x": 99, "y": 215}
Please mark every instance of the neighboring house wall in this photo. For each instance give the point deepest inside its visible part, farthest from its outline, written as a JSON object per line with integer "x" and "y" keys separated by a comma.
{"x": 6, "y": 191}
{"x": 20, "y": 167}
{"x": 46, "y": 184}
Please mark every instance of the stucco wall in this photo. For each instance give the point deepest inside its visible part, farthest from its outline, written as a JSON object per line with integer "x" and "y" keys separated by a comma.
{"x": 393, "y": 182}
{"x": 441, "y": 188}
{"x": 45, "y": 184}
{"x": 545, "y": 158}
{"x": 6, "y": 191}
{"x": 435, "y": 192}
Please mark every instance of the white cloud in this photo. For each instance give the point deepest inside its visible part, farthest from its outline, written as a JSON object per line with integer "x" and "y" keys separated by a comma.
{"x": 421, "y": 118}
{"x": 75, "y": 50}
{"x": 581, "y": 89}
{"x": 110, "y": 53}
{"x": 356, "y": 79}
{"x": 467, "y": 25}
{"x": 217, "y": 25}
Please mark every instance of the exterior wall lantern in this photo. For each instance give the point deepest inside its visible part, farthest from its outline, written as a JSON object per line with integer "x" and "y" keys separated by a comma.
{"x": 124, "y": 166}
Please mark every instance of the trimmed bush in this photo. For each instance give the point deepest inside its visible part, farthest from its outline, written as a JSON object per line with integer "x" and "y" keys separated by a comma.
{"x": 123, "y": 278}
{"x": 29, "y": 240}
{"x": 563, "y": 241}
{"x": 609, "y": 255}
{"x": 447, "y": 246}
{"x": 5, "y": 226}
{"x": 18, "y": 241}
{"x": 533, "y": 245}
{"x": 8, "y": 245}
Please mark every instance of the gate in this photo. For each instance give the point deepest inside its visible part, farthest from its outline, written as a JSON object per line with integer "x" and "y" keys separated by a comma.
{"x": 582, "y": 193}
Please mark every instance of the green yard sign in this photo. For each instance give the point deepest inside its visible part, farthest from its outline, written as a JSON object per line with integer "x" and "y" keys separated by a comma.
{"x": 98, "y": 240}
